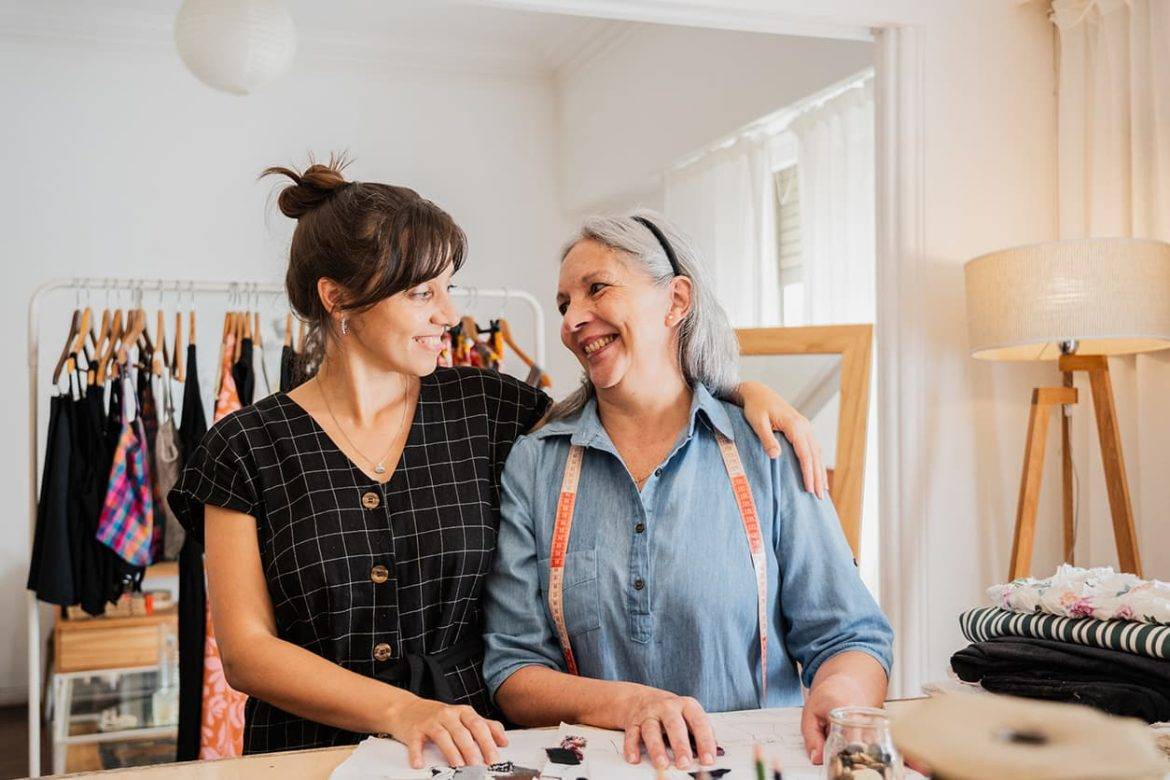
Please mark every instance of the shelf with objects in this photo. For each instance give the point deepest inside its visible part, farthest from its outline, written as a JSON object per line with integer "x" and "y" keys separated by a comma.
{"x": 124, "y": 408}
{"x": 114, "y": 690}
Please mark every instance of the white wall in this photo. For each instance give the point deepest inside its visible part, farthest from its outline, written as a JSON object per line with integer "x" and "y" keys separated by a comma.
{"x": 665, "y": 92}
{"x": 117, "y": 162}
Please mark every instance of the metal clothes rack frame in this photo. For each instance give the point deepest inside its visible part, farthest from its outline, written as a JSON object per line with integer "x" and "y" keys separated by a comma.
{"x": 245, "y": 290}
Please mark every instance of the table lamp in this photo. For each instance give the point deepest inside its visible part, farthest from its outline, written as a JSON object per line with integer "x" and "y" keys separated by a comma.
{"x": 1075, "y": 302}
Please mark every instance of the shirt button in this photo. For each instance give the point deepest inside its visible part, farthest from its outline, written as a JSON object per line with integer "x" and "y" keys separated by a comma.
{"x": 379, "y": 574}
{"x": 371, "y": 500}
{"x": 639, "y": 584}
{"x": 658, "y": 472}
{"x": 381, "y": 651}
{"x": 639, "y": 528}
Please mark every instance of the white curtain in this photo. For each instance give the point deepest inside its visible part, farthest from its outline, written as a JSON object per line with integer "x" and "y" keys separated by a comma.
{"x": 1114, "y": 168}
{"x": 724, "y": 201}
{"x": 835, "y": 162}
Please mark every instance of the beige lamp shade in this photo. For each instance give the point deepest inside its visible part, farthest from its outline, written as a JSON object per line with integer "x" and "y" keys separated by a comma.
{"x": 1109, "y": 295}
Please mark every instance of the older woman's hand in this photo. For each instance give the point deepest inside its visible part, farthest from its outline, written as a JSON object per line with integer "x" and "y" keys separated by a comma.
{"x": 650, "y": 713}
{"x": 766, "y": 411}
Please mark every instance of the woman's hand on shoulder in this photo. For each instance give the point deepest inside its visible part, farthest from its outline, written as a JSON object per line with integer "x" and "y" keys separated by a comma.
{"x": 463, "y": 735}
{"x": 660, "y": 719}
{"x": 766, "y": 412}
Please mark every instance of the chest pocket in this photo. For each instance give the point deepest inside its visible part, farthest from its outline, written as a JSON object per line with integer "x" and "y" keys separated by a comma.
{"x": 582, "y": 599}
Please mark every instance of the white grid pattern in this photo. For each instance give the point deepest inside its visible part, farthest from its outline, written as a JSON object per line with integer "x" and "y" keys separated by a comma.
{"x": 434, "y": 529}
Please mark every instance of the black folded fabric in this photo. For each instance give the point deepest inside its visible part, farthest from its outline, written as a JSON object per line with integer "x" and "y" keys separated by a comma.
{"x": 1114, "y": 681}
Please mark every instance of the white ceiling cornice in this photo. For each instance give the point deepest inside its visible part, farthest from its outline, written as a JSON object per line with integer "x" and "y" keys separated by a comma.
{"x": 602, "y": 37}
{"x": 146, "y": 31}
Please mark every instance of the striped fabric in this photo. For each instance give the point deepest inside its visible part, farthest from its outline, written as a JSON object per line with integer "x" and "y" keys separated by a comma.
{"x": 979, "y": 625}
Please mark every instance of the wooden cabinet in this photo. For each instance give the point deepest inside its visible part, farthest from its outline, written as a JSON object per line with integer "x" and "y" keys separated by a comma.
{"x": 110, "y": 643}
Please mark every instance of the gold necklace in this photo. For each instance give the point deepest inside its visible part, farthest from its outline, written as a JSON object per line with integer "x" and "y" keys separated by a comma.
{"x": 380, "y": 464}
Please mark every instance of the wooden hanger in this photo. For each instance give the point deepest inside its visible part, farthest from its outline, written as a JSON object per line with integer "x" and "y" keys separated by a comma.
{"x": 66, "y": 351}
{"x": 191, "y": 326}
{"x": 177, "y": 349}
{"x": 79, "y": 346}
{"x": 85, "y": 334}
{"x": 110, "y": 345}
{"x": 133, "y": 335}
{"x": 506, "y": 332}
{"x": 103, "y": 333}
{"x": 144, "y": 340}
{"x": 161, "y": 357}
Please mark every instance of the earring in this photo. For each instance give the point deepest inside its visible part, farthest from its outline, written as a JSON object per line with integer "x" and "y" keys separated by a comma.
{"x": 344, "y": 325}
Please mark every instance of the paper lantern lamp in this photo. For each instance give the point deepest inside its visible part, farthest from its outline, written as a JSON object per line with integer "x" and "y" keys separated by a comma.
{"x": 236, "y": 46}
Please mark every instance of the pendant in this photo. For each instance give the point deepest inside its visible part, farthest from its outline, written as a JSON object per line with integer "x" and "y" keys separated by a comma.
{"x": 379, "y": 469}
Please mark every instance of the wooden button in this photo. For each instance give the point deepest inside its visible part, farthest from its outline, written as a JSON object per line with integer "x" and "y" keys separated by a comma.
{"x": 379, "y": 574}
{"x": 381, "y": 651}
{"x": 371, "y": 500}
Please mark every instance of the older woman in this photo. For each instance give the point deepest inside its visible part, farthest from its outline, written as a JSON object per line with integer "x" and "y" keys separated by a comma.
{"x": 652, "y": 561}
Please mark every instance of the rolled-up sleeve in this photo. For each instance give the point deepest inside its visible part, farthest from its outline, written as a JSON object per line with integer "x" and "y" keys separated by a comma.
{"x": 517, "y": 632}
{"x": 823, "y": 601}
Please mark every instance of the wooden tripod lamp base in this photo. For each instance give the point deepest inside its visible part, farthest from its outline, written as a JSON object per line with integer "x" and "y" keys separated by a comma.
{"x": 1043, "y": 401}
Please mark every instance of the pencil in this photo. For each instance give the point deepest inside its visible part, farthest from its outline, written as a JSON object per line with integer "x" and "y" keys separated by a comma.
{"x": 777, "y": 773}
{"x": 758, "y": 755}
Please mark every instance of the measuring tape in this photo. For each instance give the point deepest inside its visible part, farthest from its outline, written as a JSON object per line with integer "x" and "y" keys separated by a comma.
{"x": 751, "y": 526}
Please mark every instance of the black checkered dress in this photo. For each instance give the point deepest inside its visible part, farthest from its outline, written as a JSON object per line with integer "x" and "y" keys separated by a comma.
{"x": 323, "y": 537}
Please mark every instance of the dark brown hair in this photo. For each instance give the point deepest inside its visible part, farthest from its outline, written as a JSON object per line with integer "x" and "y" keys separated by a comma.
{"x": 375, "y": 240}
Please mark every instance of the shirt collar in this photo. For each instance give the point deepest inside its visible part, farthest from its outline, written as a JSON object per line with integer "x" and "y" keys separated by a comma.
{"x": 586, "y": 429}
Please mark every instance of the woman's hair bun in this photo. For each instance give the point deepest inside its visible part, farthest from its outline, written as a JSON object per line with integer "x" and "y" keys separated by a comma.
{"x": 311, "y": 187}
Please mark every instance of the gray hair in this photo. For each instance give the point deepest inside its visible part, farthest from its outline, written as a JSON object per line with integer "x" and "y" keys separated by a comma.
{"x": 708, "y": 351}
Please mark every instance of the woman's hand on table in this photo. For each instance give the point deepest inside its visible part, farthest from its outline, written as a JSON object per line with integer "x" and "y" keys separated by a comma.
{"x": 660, "y": 719}
{"x": 849, "y": 678}
{"x": 766, "y": 412}
{"x": 462, "y": 734}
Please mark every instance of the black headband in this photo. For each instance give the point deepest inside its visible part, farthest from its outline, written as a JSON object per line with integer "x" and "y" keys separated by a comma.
{"x": 661, "y": 240}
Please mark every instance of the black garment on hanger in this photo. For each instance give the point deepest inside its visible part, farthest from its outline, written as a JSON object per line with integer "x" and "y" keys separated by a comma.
{"x": 287, "y": 360}
{"x": 244, "y": 374}
{"x": 94, "y": 558}
{"x": 192, "y": 591}
{"x": 50, "y": 572}
{"x": 148, "y": 411}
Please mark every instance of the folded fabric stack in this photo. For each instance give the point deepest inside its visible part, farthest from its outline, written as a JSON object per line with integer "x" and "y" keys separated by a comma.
{"x": 1090, "y": 636}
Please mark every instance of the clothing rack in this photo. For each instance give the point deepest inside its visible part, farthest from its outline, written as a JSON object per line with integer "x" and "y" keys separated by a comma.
{"x": 244, "y": 291}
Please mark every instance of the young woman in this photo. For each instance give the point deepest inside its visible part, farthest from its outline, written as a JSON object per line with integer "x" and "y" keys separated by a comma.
{"x": 350, "y": 524}
{"x": 652, "y": 562}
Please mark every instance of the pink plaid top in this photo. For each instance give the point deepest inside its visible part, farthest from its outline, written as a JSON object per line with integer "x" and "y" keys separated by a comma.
{"x": 127, "y": 521}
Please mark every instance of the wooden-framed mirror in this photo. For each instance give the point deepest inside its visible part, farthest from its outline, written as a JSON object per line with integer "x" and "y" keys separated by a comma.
{"x": 823, "y": 371}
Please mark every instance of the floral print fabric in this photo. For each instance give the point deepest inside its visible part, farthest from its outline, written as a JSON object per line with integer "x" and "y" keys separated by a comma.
{"x": 1098, "y": 593}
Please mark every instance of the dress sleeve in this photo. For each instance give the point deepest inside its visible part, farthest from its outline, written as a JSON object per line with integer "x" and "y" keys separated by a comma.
{"x": 513, "y": 408}
{"x": 823, "y": 600}
{"x": 218, "y": 473}
{"x": 516, "y": 632}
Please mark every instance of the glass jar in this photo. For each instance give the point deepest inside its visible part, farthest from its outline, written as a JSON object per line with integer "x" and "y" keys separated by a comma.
{"x": 860, "y": 747}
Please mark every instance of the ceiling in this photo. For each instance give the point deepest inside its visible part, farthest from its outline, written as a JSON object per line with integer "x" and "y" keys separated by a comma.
{"x": 443, "y": 33}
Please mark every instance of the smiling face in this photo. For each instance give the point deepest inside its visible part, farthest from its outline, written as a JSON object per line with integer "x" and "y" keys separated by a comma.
{"x": 621, "y": 325}
{"x": 404, "y": 332}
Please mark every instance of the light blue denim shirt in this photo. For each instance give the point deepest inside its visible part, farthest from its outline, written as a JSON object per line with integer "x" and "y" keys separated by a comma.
{"x": 659, "y": 586}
